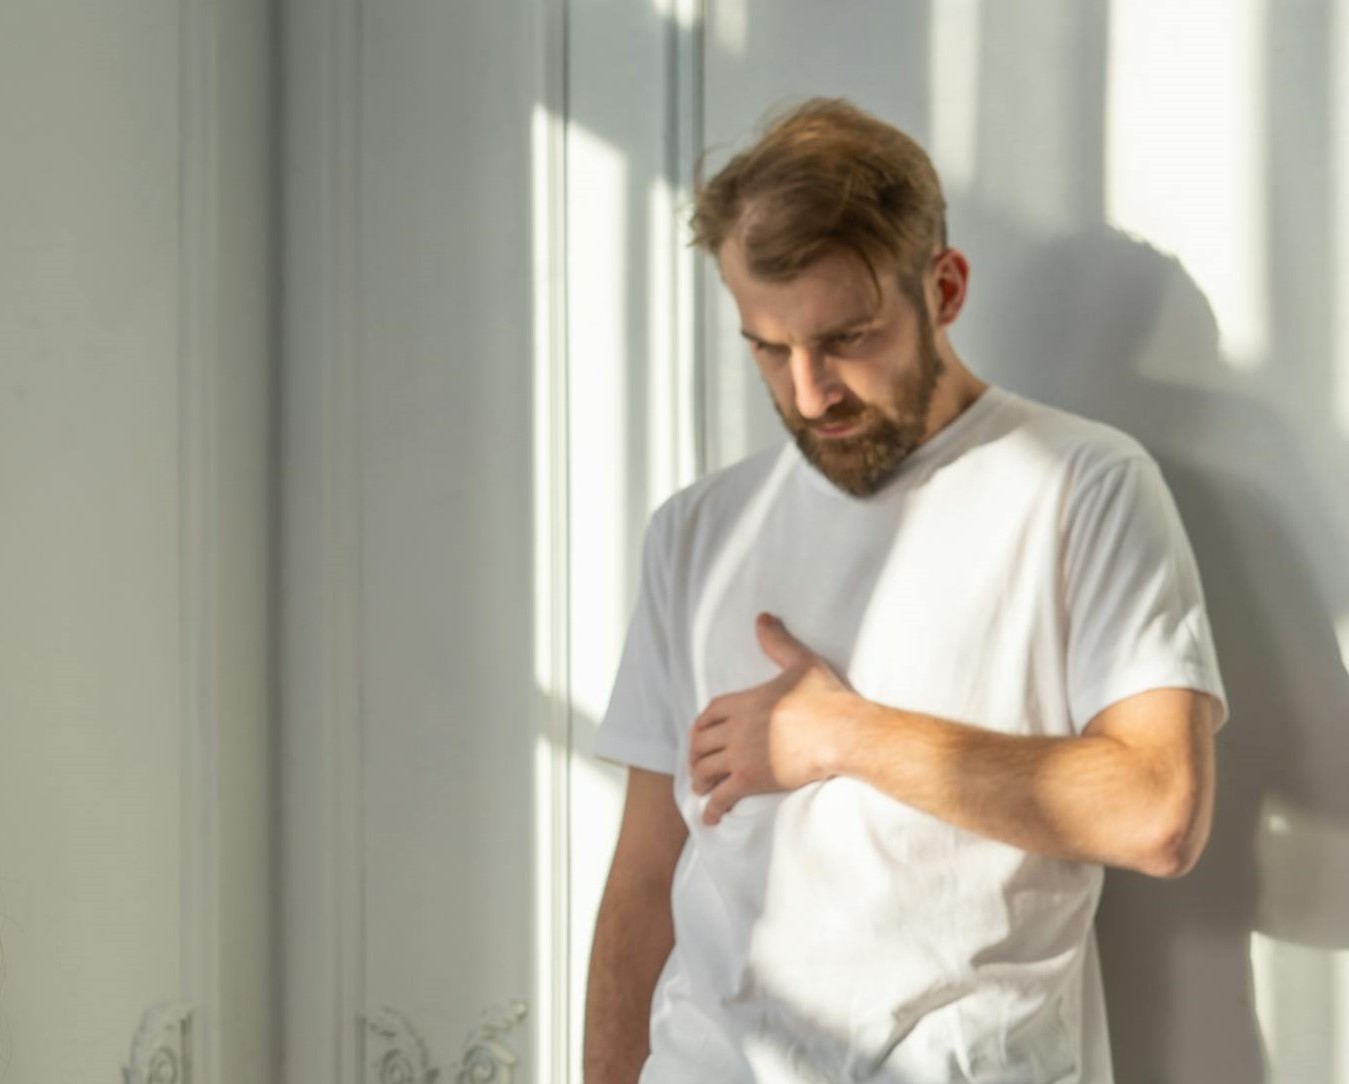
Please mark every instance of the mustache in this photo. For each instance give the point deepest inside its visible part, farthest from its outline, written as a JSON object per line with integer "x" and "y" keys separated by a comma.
{"x": 831, "y": 422}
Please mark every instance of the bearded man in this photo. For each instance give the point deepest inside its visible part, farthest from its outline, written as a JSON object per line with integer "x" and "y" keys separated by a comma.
{"x": 896, "y": 690}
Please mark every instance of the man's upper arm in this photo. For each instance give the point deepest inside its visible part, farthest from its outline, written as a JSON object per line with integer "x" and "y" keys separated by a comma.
{"x": 1133, "y": 598}
{"x": 652, "y": 833}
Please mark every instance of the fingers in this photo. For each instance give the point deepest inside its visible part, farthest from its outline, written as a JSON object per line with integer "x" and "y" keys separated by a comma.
{"x": 716, "y": 711}
{"x": 722, "y": 800}
{"x": 706, "y": 738}
{"x": 709, "y": 770}
{"x": 708, "y": 756}
{"x": 709, "y": 766}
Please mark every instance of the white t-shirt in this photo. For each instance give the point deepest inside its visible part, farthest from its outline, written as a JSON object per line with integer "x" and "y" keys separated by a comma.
{"x": 1024, "y": 569}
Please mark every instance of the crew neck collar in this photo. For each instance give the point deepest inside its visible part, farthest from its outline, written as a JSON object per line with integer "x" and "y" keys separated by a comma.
{"x": 946, "y": 438}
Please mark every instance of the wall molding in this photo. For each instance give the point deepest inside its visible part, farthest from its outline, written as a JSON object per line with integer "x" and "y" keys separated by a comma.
{"x": 553, "y": 736}
{"x": 322, "y": 875}
{"x": 341, "y": 587}
{"x": 199, "y": 528}
{"x": 685, "y": 121}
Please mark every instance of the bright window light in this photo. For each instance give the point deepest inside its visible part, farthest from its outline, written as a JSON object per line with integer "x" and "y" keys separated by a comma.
{"x": 662, "y": 414}
{"x": 597, "y": 333}
{"x": 731, "y": 26}
{"x": 1185, "y": 148}
{"x": 1299, "y": 959}
{"x": 1339, "y": 99}
{"x": 955, "y": 91}
{"x": 688, "y": 13}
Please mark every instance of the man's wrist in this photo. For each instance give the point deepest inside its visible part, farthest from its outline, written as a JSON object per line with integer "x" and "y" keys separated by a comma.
{"x": 858, "y": 723}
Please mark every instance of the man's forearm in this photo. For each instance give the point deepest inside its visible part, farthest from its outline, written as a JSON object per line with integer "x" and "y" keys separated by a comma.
{"x": 634, "y": 934}
{"x": 1081, "y": 798}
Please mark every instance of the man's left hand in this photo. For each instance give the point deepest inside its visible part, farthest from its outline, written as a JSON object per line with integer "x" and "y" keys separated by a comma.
{"x": 773, "y": 737}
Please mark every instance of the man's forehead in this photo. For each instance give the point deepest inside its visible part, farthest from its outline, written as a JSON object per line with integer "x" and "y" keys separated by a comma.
{"x": 839, "y": 268}
{"x": 829, "y": 295}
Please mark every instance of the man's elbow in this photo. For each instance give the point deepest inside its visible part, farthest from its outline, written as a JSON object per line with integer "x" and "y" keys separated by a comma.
{"x": 1172, "y": 859}
{"x": 1178, "y": 839}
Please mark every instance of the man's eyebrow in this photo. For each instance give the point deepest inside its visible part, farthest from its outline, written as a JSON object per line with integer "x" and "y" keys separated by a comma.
{"x": 833, "y": 332}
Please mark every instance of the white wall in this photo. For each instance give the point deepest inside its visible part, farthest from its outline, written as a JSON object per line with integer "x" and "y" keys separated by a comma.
{"x": 134, "y": 438}
{"x": 411, "y": 709}
{"x": 1153, "y": 200}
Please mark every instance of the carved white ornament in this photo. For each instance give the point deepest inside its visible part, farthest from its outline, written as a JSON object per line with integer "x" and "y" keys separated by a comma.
{"x": 159, "y": 1052}
{"x": 396, "y": 1054}
{"x": 486, "y": 1060}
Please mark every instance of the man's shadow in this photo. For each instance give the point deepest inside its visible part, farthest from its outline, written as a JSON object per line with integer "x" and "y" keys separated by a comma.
{"x": 1068, "y": 322}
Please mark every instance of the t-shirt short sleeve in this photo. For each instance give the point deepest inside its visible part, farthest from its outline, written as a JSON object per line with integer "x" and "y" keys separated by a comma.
{"x": 1135, "y": 603}
{"x": 638, "y": 726}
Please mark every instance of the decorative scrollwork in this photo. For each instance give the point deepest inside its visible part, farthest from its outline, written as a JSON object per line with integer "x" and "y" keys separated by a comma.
{"x": 395, "y": 1053}
{"x": 163, "y": 1067}
{"x": 486, "y": 1060}
{"x": 159, "y": 1052}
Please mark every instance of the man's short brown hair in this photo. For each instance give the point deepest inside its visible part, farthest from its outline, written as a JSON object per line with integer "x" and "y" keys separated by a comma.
{"x": 825, "y": 177}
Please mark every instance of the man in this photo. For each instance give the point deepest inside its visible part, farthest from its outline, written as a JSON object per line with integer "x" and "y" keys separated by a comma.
{"x": 895, "y": 691}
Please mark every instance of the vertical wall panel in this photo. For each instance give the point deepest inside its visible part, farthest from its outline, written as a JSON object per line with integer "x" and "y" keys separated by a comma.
{"x": 410, "y": 705}
{"x": 631, "y": 349}
{"x": 134, "y": 454}
{"x": 446, "y": 369}
{"x": 89, "y": 549}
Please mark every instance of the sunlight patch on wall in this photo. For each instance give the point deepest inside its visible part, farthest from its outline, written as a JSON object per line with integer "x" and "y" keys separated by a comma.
{"x": 732, "y": 378}
{"x": 602, "y": 431}
{"x": 1185, "y": 151}
{"x": 730, "y": 26}
{"x": 597, "y": 274}
{"x": 1301, "y": 993}
{"x": 1339, "y": 104}
{"x": 671, "y": 421}
{"x": 1299, "y": 948}
{"x": 1342, "y": 638}
{"x": 1340, "y": 1004}
{"x": 1302, "y": 862}
{"x": 551, "y": 752}
{"x": 1262, "y": 978}
{"x": 686, "y": 14}
{"x": 955, "y": 91}
{"x": 662, "y": 416}
{"x": 546, "y": 212}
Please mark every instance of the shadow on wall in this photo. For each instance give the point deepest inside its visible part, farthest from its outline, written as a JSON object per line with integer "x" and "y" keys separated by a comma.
{"x": 1075, "y": 317}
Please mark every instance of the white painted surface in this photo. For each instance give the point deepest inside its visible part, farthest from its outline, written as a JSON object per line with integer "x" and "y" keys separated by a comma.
{"x": 134, "y": 650}
{"x": 445, "y": 375}
{"x": 409, "y": 707}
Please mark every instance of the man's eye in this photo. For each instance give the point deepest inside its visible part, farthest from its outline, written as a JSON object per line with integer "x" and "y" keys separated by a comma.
{"x": 850, "y": 339}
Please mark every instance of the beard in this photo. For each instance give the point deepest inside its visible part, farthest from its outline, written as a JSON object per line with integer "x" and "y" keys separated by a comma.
{"x": 862, "y": 463}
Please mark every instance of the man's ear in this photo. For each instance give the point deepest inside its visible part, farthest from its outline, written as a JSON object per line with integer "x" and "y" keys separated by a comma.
{"x": 950, "y": 278}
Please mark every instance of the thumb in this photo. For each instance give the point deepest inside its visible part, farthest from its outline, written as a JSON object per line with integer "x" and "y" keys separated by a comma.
{"x": 779, "y": 644}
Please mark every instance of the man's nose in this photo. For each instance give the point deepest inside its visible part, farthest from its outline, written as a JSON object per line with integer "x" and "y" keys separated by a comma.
{"x": 816, "y": 386}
